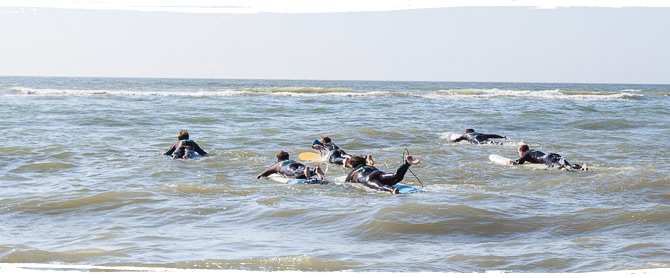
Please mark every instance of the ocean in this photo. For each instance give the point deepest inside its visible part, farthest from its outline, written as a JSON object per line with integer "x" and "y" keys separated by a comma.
{"x": 84, "y": 180}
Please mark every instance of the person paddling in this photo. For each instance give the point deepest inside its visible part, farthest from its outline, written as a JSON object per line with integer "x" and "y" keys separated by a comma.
{"x": 375, "y": 178}
{"x": 550, "y": 159}
{"x": 334, "y": 154}
{"x": 290, "y": 168}
{"x": 184, "y": 148}
{"x": 478, "y": 138}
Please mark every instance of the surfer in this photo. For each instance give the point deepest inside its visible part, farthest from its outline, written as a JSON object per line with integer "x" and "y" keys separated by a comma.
{"x": 551, "y": 159}
{"x": 375, "y": 178}
{"x": 478, "y": 138}
{"x": 290, "y": 168}
{"x": 335, "y": 155}
{"x": 184, "y": 148}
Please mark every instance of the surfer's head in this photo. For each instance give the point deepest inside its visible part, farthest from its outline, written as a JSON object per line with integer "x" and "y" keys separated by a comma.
{"x": 355, "y": 161}
{"x": 282, "y": 156}
{"x": 470, "y": 130}
{"x": 325, "y": 139}
{"x": 183, "y": 135}
{"x": 523, "y": 148}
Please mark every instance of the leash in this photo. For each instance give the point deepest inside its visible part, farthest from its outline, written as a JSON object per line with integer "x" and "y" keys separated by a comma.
{"x": 410, "y": 170}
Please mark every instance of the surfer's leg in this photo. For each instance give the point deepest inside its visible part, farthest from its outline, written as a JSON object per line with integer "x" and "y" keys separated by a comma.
{"x": 308, "y": 173}
{"x": 319, "y": 172}
{"x": 373, "y": 182}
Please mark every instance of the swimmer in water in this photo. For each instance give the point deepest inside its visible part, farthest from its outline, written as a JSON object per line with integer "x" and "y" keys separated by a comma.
{"x": 184, "y": 148}
{"x": 290, "y": 168}
{"x": 478, "y": 138}
{"x": 551, "y": 159}
{"x": 335, "y": 155}
{"x": 375, "y": 178}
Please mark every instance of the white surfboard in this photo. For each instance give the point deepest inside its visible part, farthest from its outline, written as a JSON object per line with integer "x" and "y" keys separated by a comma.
{"x": 500, "y": 160}
{"x": 281, "y": 179}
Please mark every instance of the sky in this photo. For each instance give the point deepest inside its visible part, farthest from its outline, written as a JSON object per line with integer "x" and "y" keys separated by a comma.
{"x": 587, "y": 41}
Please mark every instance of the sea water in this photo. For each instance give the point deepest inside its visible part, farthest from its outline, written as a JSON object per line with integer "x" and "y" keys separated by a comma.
{"x": 84, "y": 181}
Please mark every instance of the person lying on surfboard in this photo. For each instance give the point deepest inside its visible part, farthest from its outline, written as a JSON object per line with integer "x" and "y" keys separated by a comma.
{"x": 335, "y": 155}
{"x": 375, "y": 178}
{"x": 478, "y": 138}
{"x": 551, "y": 159}
{"x": 290, "y": 168}
{"x": 184, "y": 148}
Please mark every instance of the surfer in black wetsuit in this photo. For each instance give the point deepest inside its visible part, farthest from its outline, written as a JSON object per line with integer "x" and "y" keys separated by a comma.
{"x": 478, "y": 138}
{"x": 290, "y": 168}
{"x": 551, "y": 159}
{"x": 184, "y": 148}
{"x": 375, "y": 178}
{"x": 335, "y": 155}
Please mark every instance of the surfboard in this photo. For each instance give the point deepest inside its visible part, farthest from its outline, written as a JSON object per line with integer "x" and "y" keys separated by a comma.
{"x": 281, "y": 179}
{"x": 406, "y": 189}
{"x": 195, "y": 155}
{"x": 501, "y": 160}
{"x": 310, "y": 156}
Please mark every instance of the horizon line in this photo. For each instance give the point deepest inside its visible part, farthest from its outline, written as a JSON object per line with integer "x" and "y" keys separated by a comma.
{"x": 351, "y": 80}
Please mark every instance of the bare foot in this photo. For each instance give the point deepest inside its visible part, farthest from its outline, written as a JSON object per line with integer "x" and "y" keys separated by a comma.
{"x": 369, "y": 161}
{"x": 396, "y": 191}
{"x": 319, "y": 173}
{"x": 307, "y": 174}
{"x": 412, "y": 160}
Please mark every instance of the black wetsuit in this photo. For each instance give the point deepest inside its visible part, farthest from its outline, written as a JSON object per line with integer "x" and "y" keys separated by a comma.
{"x": 477, "y": 138}
{"x": 551, "y": 159}
{"x": 375, "y": 178}
{"x": 185, "y": 147}
{"x": 288, "y": 168}
{"x": 334, "y": 153}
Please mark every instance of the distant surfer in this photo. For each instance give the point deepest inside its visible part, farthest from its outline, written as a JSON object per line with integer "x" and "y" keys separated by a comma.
{"x": 550, "y": 159}
{"x": 290, "y": 168}
{"x": 478, "y": 138}
{"x": 375, "y": 178}
{"x": 334, "y": 154}
{"x": 184, "y": 148}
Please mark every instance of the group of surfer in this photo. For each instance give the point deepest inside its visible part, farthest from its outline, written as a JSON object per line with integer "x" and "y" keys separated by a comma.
{"x": 362, "y": 166}
{"x": 553, "y": 160}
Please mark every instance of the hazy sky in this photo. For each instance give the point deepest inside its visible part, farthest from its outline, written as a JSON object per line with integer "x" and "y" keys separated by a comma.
{"x": 519, "y": 41}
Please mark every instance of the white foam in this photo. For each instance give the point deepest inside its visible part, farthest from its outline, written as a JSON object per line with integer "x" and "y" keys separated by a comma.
{"x": 285, "y": 92}
{"x": 539, "y": 94}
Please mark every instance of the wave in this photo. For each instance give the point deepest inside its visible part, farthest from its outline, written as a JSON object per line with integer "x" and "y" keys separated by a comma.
{"x": 538, "y": 94}
{"x": 346, "y": 93}
{"x": 230, "y": 92}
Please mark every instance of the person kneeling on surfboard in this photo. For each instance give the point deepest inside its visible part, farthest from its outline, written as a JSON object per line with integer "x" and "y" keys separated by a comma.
{"x": 290, "y": 168}
{"x": 335, "y": 155}
{"x": 551, "y": 159}
{"x": 478, "y": 138}
{"x": 184, "y": 148}
{"x": 375, "y": 178}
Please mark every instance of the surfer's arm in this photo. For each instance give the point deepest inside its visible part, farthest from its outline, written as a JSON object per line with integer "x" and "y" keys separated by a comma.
{"x": 273, "y": 169}
{"x": 199, "y": 150}
{"x": 350, "y": 176}
{"x": 171, "y": 149}
{"x": 494, "y": 136}
{"x": 460, "y": 138}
